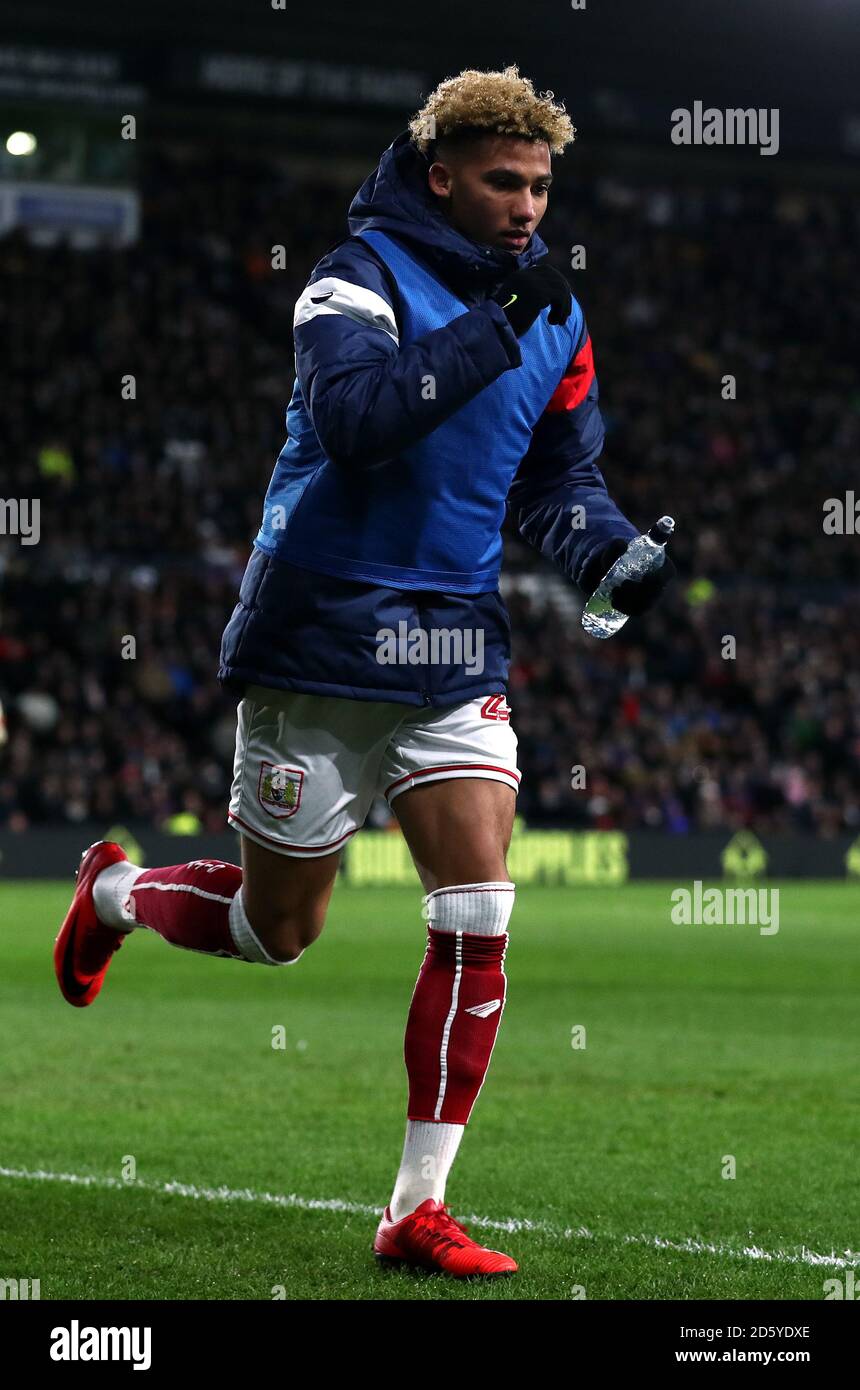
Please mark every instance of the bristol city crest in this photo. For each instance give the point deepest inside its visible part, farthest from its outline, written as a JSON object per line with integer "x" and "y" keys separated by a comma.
{"x": 280, "y": 790}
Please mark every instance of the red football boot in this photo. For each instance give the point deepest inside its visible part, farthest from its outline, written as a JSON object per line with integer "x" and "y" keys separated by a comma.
{"x": 431, "y": 1238}
{"x": 85, "y": 946}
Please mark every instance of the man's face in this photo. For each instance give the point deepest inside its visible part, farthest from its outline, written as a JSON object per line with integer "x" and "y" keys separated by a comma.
{"x": 495, "y": 187}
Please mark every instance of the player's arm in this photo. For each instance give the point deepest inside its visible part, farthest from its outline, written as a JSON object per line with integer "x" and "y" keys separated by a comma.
{"x": 369, "y": 398}
{"x": 558, "y": 500}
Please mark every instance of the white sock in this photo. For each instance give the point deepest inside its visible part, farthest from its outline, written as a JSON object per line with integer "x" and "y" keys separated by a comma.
{"x": 428, "y": 1152}
{"x": 481, "y": 908}
{"x": 111, "y": 892}
{"x": 247, "y": 943}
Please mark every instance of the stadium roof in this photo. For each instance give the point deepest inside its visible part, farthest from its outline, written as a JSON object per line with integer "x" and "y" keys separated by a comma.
{"x": 622, "y": 58}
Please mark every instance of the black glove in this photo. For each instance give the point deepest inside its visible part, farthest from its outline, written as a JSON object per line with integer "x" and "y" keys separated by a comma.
{"x": 526, "y": 292}
{"x": 634, "y": 596}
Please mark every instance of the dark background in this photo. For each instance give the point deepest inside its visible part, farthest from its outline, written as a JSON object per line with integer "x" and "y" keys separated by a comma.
{"x": 701, "y": 262}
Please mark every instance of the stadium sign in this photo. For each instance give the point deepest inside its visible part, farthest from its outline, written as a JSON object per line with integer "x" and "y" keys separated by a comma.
{"x": 337, "y": 83}
{"x": 561, "y": 857}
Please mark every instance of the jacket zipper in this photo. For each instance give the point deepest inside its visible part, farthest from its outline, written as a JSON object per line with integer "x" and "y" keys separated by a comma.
{"x": 425, "y": 694}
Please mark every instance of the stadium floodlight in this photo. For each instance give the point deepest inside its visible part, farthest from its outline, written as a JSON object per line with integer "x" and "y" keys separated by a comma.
{"x": 21, "y": 142}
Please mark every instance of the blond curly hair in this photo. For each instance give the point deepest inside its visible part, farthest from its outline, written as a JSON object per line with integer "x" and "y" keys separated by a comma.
{"x": 492, "y": 103}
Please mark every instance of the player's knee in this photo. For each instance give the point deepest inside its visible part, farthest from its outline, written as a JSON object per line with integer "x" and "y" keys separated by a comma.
{"x": 286, "y": 933}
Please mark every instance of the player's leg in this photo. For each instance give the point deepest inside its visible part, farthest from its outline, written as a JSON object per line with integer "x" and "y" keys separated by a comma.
{"x": 268, "y": 911}
{"x": 199, "y": 906}
{"x": 285, "y": 898}
{"x": 458, "y": 829}
{"x": 285, "y": 785}
{"x": 302, "y": 786}
{"x": 458, "y": 832}
{"x": 456, "y": 806}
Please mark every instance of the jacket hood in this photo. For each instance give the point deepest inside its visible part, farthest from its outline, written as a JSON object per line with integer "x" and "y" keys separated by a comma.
{"x": 395, "y": 199}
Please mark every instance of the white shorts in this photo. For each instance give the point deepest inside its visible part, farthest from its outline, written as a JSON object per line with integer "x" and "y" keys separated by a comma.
{"x": 308, "y": 767}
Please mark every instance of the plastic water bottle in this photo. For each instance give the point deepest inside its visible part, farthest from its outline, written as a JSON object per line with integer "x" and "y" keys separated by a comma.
{"x": 643, "y": 555}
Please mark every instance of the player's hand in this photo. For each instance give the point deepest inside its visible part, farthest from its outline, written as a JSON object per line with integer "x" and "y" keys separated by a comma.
{"x": 635, "y": 596}
{"x": 525, "y": 293}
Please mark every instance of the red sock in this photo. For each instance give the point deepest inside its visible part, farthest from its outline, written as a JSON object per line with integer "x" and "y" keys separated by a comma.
{"x": 188, "y": 904}
{"x": 447, "y": 1048}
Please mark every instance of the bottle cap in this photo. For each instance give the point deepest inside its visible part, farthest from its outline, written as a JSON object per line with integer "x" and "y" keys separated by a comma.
{"x": 662, "y": 530}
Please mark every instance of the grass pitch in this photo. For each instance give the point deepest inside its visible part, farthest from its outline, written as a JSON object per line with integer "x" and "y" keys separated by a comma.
{"x": 702, "y": 1042}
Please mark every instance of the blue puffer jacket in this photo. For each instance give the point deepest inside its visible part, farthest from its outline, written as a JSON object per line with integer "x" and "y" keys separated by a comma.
{"x": 416, "y": 419}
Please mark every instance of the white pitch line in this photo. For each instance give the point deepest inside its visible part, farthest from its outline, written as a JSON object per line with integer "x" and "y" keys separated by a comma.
{"x": 849, "y": 1259}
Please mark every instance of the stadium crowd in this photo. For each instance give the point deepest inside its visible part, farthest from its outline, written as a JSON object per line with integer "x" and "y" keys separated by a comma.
{"x": 149, "y": 504}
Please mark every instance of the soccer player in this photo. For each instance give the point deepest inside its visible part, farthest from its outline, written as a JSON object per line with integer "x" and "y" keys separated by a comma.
{"x": 444, "y": 373}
